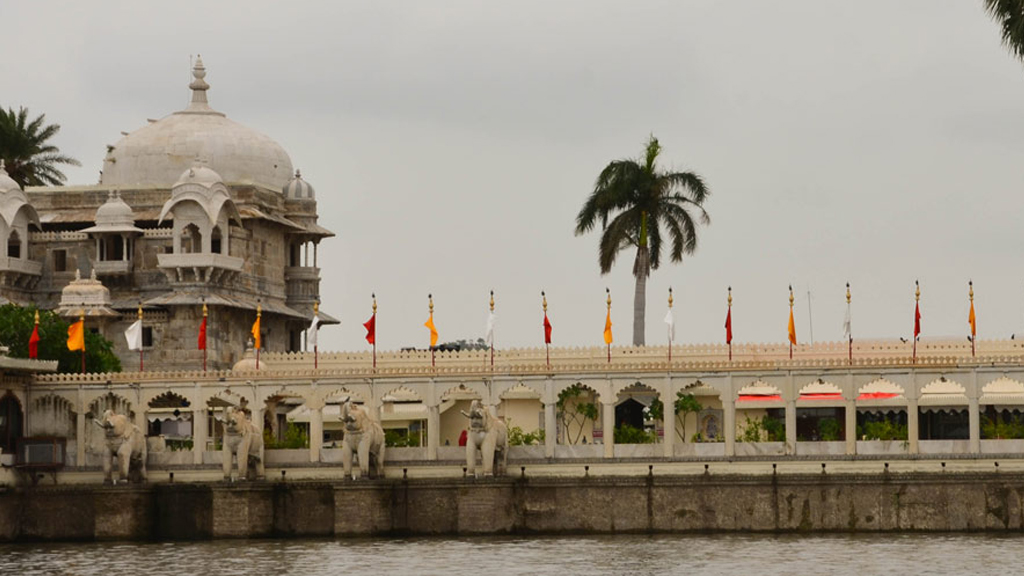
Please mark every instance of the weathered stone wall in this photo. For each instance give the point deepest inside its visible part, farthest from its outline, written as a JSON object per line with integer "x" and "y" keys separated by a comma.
{"x": 933, "y": 502}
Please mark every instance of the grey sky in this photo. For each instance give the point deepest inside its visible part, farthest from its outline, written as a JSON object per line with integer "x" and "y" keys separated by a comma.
{"x": 451, "y": 144}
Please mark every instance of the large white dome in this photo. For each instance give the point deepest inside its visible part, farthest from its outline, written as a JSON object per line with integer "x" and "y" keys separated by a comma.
{"x": 157, "y": 154}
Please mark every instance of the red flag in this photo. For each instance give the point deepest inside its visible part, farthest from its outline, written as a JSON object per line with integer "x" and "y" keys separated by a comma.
{"x": 202, "y": 335}
{"x": 728, "y": 327}
{"x": 371, "y": 329}
{"x": 547, "y": 329}
{"x": 33, "y": 343}
{"x": 917, "y": 320}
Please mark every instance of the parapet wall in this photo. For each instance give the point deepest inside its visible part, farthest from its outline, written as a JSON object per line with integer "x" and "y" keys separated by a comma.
{"x": 606, "y": 505}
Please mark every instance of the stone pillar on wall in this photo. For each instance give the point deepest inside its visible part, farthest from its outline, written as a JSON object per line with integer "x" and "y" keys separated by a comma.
{"x": 912, "y": 418}
{"x": 608, "y": 427}
{"x": 974, "y": 419}
{"x": 80, "y": 437}
{"x": 791, "y": 427}
{"x": 729, "y": 424}
{"x": 669, "y": 419}
{"x": 316, "y": 431}
{"x": 851, "y": 427}
{"x": 199, "y": 426}
{"x": 433, "y": 431}
{"x": 550, "y": 430}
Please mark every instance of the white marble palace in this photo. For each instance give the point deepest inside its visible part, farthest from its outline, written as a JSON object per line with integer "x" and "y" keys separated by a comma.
{"x": 191, "y": 208}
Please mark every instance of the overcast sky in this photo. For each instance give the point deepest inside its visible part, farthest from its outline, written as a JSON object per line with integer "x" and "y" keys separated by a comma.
{"x": 452, "y": 143}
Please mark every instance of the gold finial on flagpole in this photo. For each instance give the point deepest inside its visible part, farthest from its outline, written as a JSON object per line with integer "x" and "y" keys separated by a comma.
{"x": 205, "y": 310}
{"x": 140, "y": 310}
{"x": 37, "y": 317}
{"x": 430, "y": 298}
{"x": 669, "y": 296}
{"x": 259, "y": 307}
{"x": 544, "y": 301}
{"x": 609, "y": 293}
{"x": 730, "y": 297}
{"x": 492, "y": 300}
{"x": 790, "y": 295}
{"x": 316, "y": 308}
{"x": 917, "y": 291}
{"x": 970, "y": 284}
{"x": 847, "y": 292}
{"x": 374, "y": 296}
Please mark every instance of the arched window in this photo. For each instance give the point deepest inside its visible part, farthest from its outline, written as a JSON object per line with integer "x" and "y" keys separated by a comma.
{"x": 14, "y": 245}
{"x": 215, "y": 240}
{"x": 191, "y": 239}
{"x": 11, "y": 420}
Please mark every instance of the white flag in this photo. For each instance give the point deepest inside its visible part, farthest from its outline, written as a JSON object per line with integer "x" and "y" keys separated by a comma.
{"x": 134, "y": 335}
{"x": 671, "y": 326}
{"x": 490, "y": 330}
{"x": 311, "y": 333}
{"x": 847, "y": 333}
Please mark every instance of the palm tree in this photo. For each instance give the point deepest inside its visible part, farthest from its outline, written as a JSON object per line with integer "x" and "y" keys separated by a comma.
{"x": 29, "y": 160}
{"x": 1010, "y": 16}
{"x": 639, "y": 200}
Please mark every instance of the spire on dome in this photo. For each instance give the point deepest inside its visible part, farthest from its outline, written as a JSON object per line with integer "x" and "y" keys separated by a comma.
{"x": 199, "y": 88}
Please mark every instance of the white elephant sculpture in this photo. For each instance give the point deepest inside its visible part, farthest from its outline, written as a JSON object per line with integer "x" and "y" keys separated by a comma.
{"x": 243, "y": 441}
{"x": 489, "y": 435}
{"x": 123, "y": 441}
{"x": 364, "y": 436}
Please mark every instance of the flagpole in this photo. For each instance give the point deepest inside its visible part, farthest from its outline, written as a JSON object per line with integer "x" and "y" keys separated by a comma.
{"x": 729, "y": 327}
{"x": 790, "y": 320}
{"x": 492, "y": 331}
{"x": 430, "y": 299}
{"x": 204, "y": 334}
{"x": 917, "y": 304}
{"x": 670, "y": 327}
{"x": 849, "y": 330}
{"x": 374, "y": 296}
{"x": 316, "y": 352}
{"x": 970, "y": 284}
{"x": 608, "y": 292}
{"x": 81, "y": 318}
{"x": 547, "y": 345}
{"x": 259, "y": 344}
{"x": 141, "y": 367}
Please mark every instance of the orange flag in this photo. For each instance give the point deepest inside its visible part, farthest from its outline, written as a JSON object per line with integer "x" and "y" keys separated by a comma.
{"x": 76, "y": 336}
{"x": 256, "y": 332}
{"x": 972, "y": 320}
{"x": 792, "y": 327}
{"x": 433, "y": 330}
{"x": 608, "y": 328}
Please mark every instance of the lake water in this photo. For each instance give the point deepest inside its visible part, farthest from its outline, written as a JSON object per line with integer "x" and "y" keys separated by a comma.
{"x": 861, "y": 555}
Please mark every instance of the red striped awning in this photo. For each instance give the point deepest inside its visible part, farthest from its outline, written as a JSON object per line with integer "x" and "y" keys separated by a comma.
{"x": 877, "y": 396}
{"x": 760, "y": 398}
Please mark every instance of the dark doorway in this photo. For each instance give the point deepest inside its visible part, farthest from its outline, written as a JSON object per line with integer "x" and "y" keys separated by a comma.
{"x": 630, "y": 412}
{"x": 11, "y": 420}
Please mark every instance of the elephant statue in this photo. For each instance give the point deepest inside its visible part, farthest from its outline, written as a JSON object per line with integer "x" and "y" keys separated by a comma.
{"x": 489, "y": 435}
{"x": 364, "y": 436}
{"x": 124, "y": 441}
{"x": 243, "y": 441}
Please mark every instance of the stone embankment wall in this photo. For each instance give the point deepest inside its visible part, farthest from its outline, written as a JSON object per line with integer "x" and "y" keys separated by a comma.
{"x": 845, "y": 503}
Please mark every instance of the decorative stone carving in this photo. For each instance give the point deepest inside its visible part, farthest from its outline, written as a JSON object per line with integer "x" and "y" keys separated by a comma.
{"x": 489, "y": 435}
{"x": 125, "y": 442}
{"x": 365, "y": 437}
{"x": 242, "y": 442}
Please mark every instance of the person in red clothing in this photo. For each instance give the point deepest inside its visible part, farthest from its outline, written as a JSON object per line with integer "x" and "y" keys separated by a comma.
{"x": 463, "y": 437}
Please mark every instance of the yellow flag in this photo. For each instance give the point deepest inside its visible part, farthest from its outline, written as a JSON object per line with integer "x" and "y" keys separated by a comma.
{"x": 433, "y": 330}
{"x": 76, "y": 336}
{"x": 608, "y": 328}
{"x": 792, "y": 327}
{"x": 256, "y": 333}
{"x": 971, "y": 320}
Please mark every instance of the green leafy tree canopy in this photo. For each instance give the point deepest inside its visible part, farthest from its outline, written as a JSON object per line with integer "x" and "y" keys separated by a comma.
{"x": 27, "y": 156}
{"x": 16, "y": 328}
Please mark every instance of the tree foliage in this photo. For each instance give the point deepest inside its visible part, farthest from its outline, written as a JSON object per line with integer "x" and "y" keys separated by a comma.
{"x": 27, "y": 156}
{"x": 684, "y": 404}
{"x": 1009, "y": 14}
{"x": 639, "y": 206}
{"x": 16, "y": 328}
{"x": 574, "y": 409}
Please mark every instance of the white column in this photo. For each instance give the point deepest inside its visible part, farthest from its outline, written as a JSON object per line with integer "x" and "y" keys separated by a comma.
{"x": 608, "y": 424}
{"x": 791, "y": 427}
{"x": 851, "y": 427}
{"x": 199, "y": 425}
{"x": 729, "y": 409}
{"x": 80, "y": 440}
{"x": 433, "y": 431}
{"x": 974, "y": 418}
{"x": 550, "y": 430}
{"x": 912, "y": 418}
{"x": 316, "y": 432}
{"x": 669, "y": 420}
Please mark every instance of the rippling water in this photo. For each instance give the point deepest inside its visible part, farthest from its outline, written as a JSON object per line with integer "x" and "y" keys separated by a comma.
{"x": 861, "y": 555}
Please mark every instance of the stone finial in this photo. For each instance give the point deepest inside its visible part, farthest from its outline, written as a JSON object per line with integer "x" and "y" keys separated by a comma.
{"x": 78, "y": 274}
{"x": 199, "y": 86}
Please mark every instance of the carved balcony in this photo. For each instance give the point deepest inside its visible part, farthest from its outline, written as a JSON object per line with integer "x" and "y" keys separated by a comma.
{"x": 18, "y": 273}
{"x": 200, "y": 268}
{"x": 112, "y": 267}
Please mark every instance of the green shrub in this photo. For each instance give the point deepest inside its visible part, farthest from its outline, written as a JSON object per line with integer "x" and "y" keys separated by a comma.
{"x": 400, "y": 439}
{"x": 764, "y": 429}
{"x": 295, "y": 436}
{"x": 627, "y": 434}
{"x": 516, "y": 437}
{"x": 882, "y": 430}
{"x": 829, "y": 429}
{"x": 999, "y": 429}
